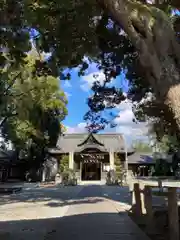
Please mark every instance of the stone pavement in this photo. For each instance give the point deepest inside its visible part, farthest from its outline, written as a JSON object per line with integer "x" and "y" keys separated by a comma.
{"x": 82, "y": 213}
{"x": 98, "y": 219}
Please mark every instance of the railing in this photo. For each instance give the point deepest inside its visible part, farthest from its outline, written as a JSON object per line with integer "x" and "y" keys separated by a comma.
{"x": 142, "y": 200}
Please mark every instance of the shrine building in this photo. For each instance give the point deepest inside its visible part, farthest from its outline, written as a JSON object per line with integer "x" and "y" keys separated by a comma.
{"x": 91, "y": 156}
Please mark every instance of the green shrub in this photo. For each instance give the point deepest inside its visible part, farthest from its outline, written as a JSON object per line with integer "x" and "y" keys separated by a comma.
{"x": 69, "y": 177}
{"x": 64, "y": 163}
{"x": 119, "y": 168}
{"x": 162, "y": 168}
{"x": 65, "y": 176}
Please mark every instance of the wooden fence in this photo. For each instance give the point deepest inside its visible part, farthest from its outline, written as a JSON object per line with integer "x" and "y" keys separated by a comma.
{"x": 142, "y": 200}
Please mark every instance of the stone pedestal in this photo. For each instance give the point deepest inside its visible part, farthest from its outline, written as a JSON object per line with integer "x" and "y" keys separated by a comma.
{"x": 58, "y": 178}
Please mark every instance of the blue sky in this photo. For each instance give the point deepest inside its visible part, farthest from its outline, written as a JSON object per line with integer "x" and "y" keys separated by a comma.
{"x": 76, "y": 100}
{"x": 79, "y": 88}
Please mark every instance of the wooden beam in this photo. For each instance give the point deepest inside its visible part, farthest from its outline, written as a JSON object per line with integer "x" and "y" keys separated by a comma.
{"x": 155, "y": 182}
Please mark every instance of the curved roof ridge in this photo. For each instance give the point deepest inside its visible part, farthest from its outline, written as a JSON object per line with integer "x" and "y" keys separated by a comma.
{"x": 69, "y": 142}
{"x": 90, "y": 139}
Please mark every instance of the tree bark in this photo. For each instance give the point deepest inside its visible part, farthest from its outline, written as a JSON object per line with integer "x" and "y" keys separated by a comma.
{"x": 152, "y": 34}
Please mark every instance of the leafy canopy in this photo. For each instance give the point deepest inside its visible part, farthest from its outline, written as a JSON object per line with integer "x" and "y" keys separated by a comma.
{"x": 74, "y": 29}
{"x": 39, "y": 106}
{"x": 69, "y": 30}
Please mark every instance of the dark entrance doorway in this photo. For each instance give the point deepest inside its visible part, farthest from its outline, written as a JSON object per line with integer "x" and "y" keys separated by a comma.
{"x": 91, "y": 171}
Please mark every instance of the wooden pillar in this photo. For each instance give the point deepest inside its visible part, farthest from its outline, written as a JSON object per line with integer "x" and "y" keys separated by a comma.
{"x": 71, "y": 160}
{"x": 148, "y": 207}
{"x": 136, "y": 200}
{"x": 148, "y": 201}
{"x": 81, "y": 165}
{"x": 173, "y": 214}
{"x": 111, "y": 159}
{"x": 142, "y": 197}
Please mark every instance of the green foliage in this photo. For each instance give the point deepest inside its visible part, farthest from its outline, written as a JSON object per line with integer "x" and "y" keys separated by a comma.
{"x": 141, "y": 146}
{"x": 167, "y": 144}
{"x": 50, "y": 19}
{"x": 163, "y": 123}
{"x": 64, "y": 163}
{"x": 118, "y": 167}
{"x": 162, "y": 168}
{"x": 84, "y": 27}
{"x": 39, "y": 106}
{"x": 69, "y": 177}
{"x": 86, "y": 32}
{"x": 176, "y": 162}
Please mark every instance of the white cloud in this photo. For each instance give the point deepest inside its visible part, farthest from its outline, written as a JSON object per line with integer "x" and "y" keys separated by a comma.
{"x": 125, "y": 117}
{"x": 126, "y": 104}
{"x": 80, "y": 128}
{"x": 67, "y": 84}
{"x": 133, "y": 130}
{"x": 68, "y": 95}
{"x": 125, "y": 124}
{"x": 88, "y": 80}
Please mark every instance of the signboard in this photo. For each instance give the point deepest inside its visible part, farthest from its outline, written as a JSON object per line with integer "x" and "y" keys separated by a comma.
{"x": 93, "y": 156}
{"x": 91, "y": 161}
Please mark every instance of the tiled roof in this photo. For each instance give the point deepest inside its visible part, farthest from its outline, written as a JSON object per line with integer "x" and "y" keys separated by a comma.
{"x": 70, "y": 142}
{"x": 141, "y": 158}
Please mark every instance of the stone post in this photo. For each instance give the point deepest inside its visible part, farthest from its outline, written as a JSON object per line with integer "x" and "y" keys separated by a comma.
{"x": 173, "y": 214}
{"x": 71, "y": 160}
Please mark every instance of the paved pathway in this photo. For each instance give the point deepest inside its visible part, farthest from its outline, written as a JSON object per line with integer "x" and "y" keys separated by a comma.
{"x": 78, "y": 213}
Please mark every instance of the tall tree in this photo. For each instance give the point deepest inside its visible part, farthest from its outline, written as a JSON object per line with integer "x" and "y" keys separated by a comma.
{"x": 84, "y": 25}
{"x": 39, "y": 105}
{"x": 141, "y": 146}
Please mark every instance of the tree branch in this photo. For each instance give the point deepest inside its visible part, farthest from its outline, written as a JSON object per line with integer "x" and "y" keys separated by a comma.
{"x": 124, "y": 12}
{"x": 133, "y": 16}
{"x": 6, "y": 118}
{"x": 121, "y": 13}
{"x": 11, "y": 84}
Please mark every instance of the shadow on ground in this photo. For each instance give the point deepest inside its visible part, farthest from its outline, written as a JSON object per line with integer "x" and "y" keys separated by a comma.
{"x": 70, "y": 195}
{"x": 74, "y": 202}
{"x": 106, "y": 226}
{"x": 102, "y": 225}
{"x": 67, "y": 195}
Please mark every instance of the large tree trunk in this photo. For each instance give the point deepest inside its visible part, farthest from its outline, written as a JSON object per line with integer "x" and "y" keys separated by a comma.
{"x": 152, "y": 34}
